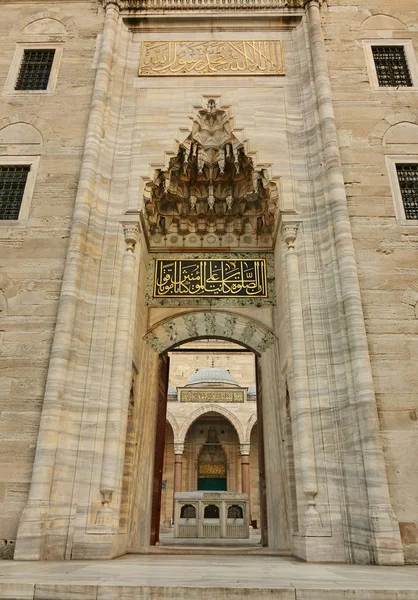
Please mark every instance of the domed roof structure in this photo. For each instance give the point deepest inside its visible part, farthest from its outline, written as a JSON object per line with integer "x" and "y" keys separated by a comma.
{"x": 212, "y": 376}
{"x": 172, "y": 391}
{"x": 252, "y": 391}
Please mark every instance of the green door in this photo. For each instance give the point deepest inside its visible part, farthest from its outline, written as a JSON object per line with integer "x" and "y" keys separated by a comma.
{"x": 211, "y": 485}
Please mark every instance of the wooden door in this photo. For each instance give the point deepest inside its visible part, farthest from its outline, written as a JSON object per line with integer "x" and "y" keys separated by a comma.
{"x": 261, "y": 461}
{"x": 159, "y": 448}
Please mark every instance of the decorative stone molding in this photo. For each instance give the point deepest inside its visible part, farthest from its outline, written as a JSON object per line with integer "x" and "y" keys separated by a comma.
{"x": 171, "y": 330}
{"x": 212, "y": 192}
{"x": 210, "y": 323}
{"x": 216, "y": 323}
{"x": 244, "y": 449}
{"x": 230, "y": 323}
{"x": 265, "y": 343}
{"x": 289, "y": 233}
{"x": 248, "y": 333}
{"x": 178, "y": 448}
{"x": 131, "y": 232}
{"x": 190, "y": 323}
{"x": 205, "y": 4}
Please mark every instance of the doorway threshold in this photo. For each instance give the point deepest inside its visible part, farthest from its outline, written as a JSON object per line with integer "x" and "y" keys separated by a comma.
{"x": 211, "y": 548}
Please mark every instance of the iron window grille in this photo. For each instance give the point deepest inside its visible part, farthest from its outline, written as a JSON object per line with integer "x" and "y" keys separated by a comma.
{"x": 391, "y": 66}
{"x": 12, "y": 186}
{"x": 35, "y": 69}
{"x": 408, "y": 183}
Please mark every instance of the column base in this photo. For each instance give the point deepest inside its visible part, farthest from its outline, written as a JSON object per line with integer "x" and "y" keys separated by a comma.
{"x": 31, "y": 533}
{"x": 385, "y": 540}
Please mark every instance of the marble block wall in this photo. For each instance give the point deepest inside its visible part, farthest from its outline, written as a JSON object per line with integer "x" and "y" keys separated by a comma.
{"x": 51, "y": 126}
{"x": 316, "y": 378}
{"x": 372, "y": 124}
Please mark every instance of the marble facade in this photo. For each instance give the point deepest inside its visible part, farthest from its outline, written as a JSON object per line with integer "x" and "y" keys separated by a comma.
{"x": 81, "y": 337}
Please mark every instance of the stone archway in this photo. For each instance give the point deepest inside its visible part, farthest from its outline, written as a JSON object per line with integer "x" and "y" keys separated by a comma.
{"x": 241, "y": 328}
{"x": 221, "y": 324}
{"x": 229, "y": 416}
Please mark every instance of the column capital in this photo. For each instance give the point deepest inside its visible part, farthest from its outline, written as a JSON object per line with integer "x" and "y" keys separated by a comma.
{"x": 178, "y": 448}
{"x": 244, "y": 449}
{"x": 289, "y": 233}
{"x": 131, "y": 231}
{"x": 308, "y": 3}
{"x": 113, "y": 3}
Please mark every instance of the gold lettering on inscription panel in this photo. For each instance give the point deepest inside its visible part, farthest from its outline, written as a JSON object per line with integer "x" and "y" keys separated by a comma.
{"x": 215, "y": 277}
{"x": 252, "y": 57}
{"x": 206, "y": 396}
{"x": 212, "y": 469}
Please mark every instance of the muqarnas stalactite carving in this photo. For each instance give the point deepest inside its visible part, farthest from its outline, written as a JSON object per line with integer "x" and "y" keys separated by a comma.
{"x": 211, "y": 193}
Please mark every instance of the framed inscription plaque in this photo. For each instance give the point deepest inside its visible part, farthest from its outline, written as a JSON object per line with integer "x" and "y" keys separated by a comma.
{"x": 252, "y": 57}
{"x": 210, "y": 277}
{"x": 211, "y": 396}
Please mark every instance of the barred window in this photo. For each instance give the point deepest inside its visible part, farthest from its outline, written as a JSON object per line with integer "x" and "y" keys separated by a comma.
{"x": 408, "y": 183}
{"x": 391, "y": 66}
{"x": 35, "y": 69}
{"x": 12, "y": 186}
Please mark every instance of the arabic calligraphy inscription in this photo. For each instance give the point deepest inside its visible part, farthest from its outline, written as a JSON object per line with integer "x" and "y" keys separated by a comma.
{"x": 210, "y": 278}
{"x": 252, "y": 57}
{"x": 210, "y": 396}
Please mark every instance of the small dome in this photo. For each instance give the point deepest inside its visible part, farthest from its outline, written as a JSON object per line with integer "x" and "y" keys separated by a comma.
{"x": 252, "y": 391}
{"x": 212, "y": 375}
{"x": 171, "y": 390}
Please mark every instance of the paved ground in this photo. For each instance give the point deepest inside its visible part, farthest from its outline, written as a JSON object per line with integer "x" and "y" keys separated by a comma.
{"x": 199, "y": 577}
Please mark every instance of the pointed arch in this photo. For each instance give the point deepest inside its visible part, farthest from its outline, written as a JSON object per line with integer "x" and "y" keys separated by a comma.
{"x": 211, "y": 407}
{"x": 173, "y": 423}
{"x": 250, "y": 424}
{"x": 222, "y": 324}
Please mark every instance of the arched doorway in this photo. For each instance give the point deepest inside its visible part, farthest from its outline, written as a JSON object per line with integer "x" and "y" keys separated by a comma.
{"x": 209, "y": 412}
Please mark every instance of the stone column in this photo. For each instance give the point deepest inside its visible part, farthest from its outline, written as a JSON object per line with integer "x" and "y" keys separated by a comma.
{"x": 178, "y": 471}
{"x": 386, "y": 542}
{"x": 31, "y": 531}
{"x": 300, "y": 404}
{"x": 245, "y": 474}
{"x": 118, "y": 397}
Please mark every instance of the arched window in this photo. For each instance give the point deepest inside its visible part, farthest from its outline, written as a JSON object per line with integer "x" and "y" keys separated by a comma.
{"x": 235, "y": 512}
{"x": 188, "y": 511}
{"x": 211, "y": 511}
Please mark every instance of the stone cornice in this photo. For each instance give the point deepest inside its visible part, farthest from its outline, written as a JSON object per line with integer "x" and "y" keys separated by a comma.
{"x": 189, "y": 5}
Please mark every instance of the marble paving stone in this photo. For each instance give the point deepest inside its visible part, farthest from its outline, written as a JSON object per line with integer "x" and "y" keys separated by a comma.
{"x": 17, "y": 591}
